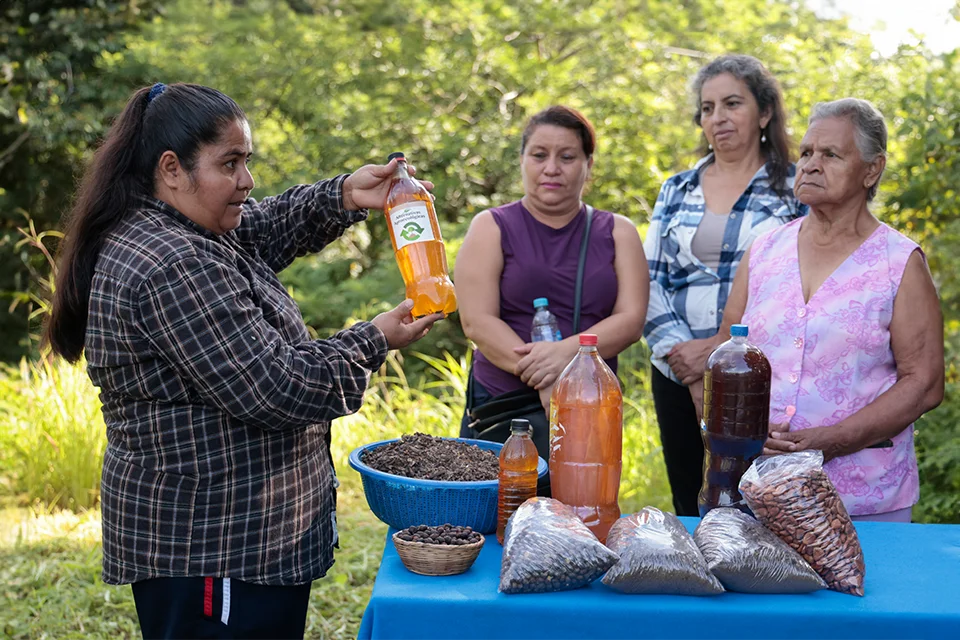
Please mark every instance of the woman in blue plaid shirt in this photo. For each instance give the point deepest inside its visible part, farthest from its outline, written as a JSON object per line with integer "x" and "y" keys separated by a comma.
{"x": 218, "y": 491}
{"x": 704, "y": 220}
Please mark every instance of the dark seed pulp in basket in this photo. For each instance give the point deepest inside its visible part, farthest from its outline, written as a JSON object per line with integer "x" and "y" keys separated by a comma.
{"x": 443, "y": 534}
{"x": 426, "y": 457}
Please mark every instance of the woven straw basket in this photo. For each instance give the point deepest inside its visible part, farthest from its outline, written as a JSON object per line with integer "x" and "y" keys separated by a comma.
{"x": 437, "y": 559}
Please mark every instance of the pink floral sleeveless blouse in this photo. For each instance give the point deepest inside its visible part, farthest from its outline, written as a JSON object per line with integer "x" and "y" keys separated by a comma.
{"x": 832, "y": 356}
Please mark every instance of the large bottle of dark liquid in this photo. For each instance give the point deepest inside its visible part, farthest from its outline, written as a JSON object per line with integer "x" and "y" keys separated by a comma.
{"x": 736, "y": 410}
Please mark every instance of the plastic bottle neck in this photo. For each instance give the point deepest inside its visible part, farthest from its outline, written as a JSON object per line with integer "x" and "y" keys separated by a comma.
{"x": 401, "y": 170}
{"x": 738, "y": 339}
{"x": 588, "y": 348}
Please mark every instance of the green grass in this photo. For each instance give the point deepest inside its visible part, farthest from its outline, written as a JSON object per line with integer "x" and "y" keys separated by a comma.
{"x": 51, "y": 587}
{"x": 52, "y": 435}
{"x": 50, "y": 457}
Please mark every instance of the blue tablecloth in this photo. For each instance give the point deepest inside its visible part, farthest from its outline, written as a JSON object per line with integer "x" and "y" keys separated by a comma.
{"x": 912, "y": 591}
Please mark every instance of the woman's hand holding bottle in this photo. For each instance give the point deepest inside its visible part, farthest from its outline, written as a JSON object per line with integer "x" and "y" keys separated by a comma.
{"x": 399, "y": 327}
{"x": 367, "y": 187}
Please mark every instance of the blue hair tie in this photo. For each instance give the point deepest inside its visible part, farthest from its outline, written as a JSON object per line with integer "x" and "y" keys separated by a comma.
{"x": 156, "y": 90}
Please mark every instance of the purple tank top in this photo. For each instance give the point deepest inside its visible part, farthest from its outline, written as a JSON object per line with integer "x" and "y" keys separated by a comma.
{"x": 541, "y": 262}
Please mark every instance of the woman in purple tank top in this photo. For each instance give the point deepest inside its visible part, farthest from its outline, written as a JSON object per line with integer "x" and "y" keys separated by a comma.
{"x": 530, "y": 249}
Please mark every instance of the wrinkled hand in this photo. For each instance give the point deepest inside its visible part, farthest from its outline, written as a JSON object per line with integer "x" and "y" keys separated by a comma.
{"x": 541, "y": 363}
{"x": 399, "y": 327}
{"x": 780, "y": 441}
{"x": 367, "y": 187}
{"x": 689, "y": 359}
{"x": 696, "y": 394}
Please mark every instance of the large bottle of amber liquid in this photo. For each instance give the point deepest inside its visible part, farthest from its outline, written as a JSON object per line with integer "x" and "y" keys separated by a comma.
{"x": 736, "y": 411}
{"x": 417, "y": 243}
{"x": 586, "y": 438}
{"x": 518, "y": 473}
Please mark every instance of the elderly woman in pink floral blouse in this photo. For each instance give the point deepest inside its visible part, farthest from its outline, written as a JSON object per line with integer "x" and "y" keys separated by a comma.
{"x": 846, "y": 311}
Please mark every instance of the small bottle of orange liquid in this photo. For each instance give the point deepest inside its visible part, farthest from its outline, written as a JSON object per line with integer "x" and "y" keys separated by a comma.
{"x": 586, "y": 438}
{"x": 417, "y": 243}
{"x": 518, "y": 473}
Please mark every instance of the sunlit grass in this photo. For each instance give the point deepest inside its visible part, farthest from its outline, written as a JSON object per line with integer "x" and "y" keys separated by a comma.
{"x": 52, "y": 435}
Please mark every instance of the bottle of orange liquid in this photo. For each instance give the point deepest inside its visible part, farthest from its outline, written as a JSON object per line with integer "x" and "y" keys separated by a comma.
{"x": 586, "y": 438}
{"x": 518, "y": 473}
{"x": 417, "y": 243}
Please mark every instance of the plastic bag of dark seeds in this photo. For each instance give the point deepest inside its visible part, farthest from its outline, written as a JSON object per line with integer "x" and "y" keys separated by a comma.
{"x": 657, "y": 555}
{"x": 745, "y": 556}
{"x": 546, "y": 547}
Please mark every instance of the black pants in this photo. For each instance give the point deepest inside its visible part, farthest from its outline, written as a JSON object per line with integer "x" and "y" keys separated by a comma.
{"x": 218, "y": 608}
{"x": 682, "y": 444}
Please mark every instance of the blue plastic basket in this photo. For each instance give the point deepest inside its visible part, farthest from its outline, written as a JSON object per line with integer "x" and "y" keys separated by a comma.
{"x": 404, "y": 502}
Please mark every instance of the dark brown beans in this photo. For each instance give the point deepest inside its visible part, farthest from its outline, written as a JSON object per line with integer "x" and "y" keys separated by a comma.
{"x": 444, "y": 534}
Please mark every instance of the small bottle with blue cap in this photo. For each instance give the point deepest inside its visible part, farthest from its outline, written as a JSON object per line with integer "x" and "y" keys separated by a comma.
{"x": 545, "y": 327}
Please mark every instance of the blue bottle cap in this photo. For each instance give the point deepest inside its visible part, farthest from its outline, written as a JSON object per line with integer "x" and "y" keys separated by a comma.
{"x": 739, "y": 330}
{"x": 540, "y": 302}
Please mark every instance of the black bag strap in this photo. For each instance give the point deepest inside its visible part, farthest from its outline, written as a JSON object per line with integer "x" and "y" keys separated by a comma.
{"x": 578, "y": 290}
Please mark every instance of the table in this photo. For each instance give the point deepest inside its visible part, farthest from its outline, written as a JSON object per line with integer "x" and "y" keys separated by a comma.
{"x": 912, "y": 591}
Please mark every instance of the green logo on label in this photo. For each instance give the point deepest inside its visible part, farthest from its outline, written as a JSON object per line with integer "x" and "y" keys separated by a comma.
{"x": 411, "y": 232}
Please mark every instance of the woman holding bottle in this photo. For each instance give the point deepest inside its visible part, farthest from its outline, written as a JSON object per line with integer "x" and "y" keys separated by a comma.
{"x": 847, "y": 312}
{"x": 218, "y": 484}
{"x": 529, "y": 249}
{"x": 703, "y": 221}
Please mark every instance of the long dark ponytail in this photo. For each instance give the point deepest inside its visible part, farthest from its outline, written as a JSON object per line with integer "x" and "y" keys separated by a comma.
{"x": 180, "y": 118}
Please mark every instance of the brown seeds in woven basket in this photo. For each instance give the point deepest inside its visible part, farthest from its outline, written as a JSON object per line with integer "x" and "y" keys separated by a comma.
{"x": 445, "y": 534}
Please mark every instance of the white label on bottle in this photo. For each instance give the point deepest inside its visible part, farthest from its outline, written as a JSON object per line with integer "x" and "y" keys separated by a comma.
{"x": 411, "y": 223}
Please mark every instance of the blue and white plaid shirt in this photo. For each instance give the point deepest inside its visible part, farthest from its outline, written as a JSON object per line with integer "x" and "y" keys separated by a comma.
{"x": 687, "y": 297}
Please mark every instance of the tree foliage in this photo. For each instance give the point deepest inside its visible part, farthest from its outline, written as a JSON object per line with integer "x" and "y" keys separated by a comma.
{"x": 330, "y": 85}
{"x": 56, "y": 100}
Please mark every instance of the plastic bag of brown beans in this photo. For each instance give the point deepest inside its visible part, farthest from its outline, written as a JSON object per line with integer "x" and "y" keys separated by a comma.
{"x": 657, "y": 555}
{"x": 792, "y": 496}
{"x": 546, "y": 547}
{"x": 746, "y": 557}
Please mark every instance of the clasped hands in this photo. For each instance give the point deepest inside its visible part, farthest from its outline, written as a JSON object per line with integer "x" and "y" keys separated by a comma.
{"x": 541, "y": 363}
{"x": 781, "y": 440}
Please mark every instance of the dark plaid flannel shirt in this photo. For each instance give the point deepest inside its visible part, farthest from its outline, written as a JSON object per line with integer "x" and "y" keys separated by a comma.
{"x": 217, "y": 403}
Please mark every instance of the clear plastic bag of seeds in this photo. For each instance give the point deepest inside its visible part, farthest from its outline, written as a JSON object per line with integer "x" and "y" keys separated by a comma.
{"x": 546, "y": 547}
{"x": 792, "y": 496}
{"x": 657, "y": 555}
{"x": 746, "y": 557}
